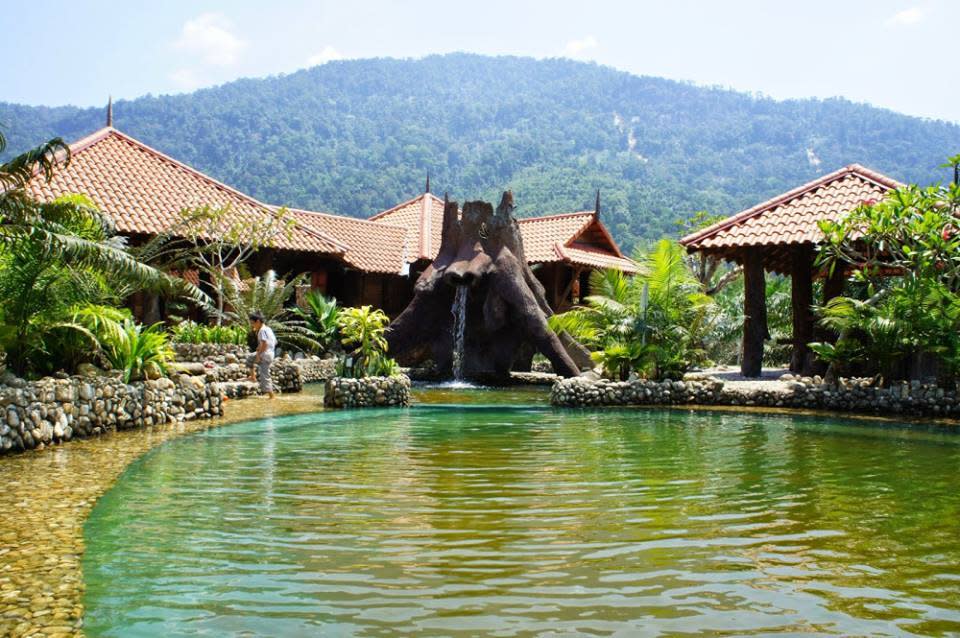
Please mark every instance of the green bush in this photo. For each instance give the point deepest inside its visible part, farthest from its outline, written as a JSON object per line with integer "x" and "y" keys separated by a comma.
{"x": 321, "y": 317}
{"x": 364, "y": 330}
{"x": 135, "y": 347}
{"x": 904, "y": 253}
{"x": 193, "y": 332}
{"x": 653, "y": 323}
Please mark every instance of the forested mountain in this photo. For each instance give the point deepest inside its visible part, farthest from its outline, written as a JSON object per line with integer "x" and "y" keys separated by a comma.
{"x": 355, "y": 137}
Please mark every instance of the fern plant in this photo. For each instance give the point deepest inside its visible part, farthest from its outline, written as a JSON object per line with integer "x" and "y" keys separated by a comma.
{"x": 269, "y": 295}
{"x": 321, "y": 316}
{"x": 136, "y": 347}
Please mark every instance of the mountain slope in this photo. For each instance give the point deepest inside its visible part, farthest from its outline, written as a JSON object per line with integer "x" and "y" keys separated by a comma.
{"x": 358, "y": 136}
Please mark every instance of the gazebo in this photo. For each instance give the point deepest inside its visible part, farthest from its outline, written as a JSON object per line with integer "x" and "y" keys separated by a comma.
{"x": 781, "y": 235}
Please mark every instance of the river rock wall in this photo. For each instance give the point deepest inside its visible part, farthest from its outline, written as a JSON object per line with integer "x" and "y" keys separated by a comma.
{"x": 859, "y": 396}
{"x": 217, "y": 352}
{"x": 369, "y": 392}
{"x": 50, "y": 410}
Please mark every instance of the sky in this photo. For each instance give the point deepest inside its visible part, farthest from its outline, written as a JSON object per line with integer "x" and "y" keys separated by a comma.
{"x": 895, "y": 54}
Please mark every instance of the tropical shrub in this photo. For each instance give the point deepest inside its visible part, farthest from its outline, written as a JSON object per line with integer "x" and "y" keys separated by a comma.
{"x": 62, "y": 270}
{"x": 321, "y": 317}
{"x": 193, "y": 332}
{"x": 136, "y": 347}
{"x": 653, "y": 323}
{"x": 363, "y": 331}
{"x": 270, "y": 296}
{"x": 905, "y": 254}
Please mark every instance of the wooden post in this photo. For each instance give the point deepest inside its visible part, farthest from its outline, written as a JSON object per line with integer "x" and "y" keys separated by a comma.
{"x": 801, "y": 295}
{"x": 755, "y": 311}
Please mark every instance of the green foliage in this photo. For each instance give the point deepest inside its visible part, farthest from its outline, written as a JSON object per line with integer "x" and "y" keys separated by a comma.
{"x": 270, "y": 296}
{"x": 193, "y": 332}
{"x": 364, "y": 331}
{"x": 653, "y": 323}
{"x": 216, "y": 242}
{"x": 136, "y": 347}
{"x": 61, "y": 270}
{"x": 906, "y": 253}
{"x": 345, "y": 137}
{"x": 321, "y": 317}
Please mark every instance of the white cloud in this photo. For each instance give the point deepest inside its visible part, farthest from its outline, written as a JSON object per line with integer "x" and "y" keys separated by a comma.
{"x": 913, "y": 15}
{"x": 210, "y": 38}
{"x": 575, "y": 48}
{"x": 328, "y": 54}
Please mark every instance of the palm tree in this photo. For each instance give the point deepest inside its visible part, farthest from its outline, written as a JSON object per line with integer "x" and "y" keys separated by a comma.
{"x": 61, "y": 265}
{"x": 653, "y": 322}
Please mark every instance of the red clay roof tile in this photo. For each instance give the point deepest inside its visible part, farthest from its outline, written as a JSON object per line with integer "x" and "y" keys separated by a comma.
{"x": 144, "y": 190}
{"x": 792, "y": 218}
{"x": 373, "y": 246}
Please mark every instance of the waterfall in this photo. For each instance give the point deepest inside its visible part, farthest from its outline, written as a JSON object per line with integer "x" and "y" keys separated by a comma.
{"x": 459, "y": 311}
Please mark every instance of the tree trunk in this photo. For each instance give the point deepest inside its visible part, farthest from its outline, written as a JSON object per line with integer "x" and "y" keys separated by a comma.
{"x": 506, "y": 308}
{"x": 801, "y": 295}
{"x": 755, "y": 309}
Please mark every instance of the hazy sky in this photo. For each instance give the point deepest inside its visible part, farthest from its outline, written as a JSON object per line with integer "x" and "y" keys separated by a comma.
{"x": 897, "y": 54}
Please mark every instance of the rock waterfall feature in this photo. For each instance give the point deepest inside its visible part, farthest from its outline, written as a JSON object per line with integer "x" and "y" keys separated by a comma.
{"x": 478, "y": 310}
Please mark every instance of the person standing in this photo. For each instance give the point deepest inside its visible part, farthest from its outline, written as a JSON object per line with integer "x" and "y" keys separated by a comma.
{"x": 262, "y": 359}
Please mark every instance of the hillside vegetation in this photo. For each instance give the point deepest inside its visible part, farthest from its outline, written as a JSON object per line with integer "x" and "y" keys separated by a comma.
{"x": 355, "y": 137}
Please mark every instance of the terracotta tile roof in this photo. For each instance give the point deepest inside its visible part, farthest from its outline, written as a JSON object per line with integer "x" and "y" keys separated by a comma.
{"x": 551, "y": 238}
{"x": 554, "y": 238}
{"x": 595, "y": 258}
{"x": 372, "y": 246}
{"x": 422, "y": 216}
{"x": 143, "y": 190}
{"x": 791, "y": 218}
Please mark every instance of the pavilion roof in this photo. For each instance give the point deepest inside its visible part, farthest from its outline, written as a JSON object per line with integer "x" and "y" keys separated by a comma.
{"x": 792, "y": 219}
{"x": 144, "y": 190}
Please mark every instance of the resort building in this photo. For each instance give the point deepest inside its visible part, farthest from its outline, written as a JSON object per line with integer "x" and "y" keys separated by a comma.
{"x": 372, "y": 261}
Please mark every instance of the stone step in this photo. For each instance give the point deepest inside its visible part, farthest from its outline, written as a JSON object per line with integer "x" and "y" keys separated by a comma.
{"x": 239, "y": 389}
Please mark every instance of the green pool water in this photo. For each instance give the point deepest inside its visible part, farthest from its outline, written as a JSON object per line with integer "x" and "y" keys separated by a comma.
{"x": 520, "y": 520}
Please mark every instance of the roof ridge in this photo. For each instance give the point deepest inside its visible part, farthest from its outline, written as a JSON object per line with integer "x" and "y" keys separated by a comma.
{"x": 735, "y": 219}
{"x": 392, "y": 209}
{"x": 603, "y": 229}
{"x": 555, "y": 216}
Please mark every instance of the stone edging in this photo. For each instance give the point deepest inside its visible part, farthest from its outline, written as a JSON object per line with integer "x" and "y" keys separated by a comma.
{"x": 343, "y": 392}
{"x": 913, "y": 399}
{"x": 51, "y": 410}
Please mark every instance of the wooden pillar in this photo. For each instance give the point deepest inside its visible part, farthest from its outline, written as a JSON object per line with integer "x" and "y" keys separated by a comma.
{"x": 801, "y": 295}
{"x": 755, "y": 311}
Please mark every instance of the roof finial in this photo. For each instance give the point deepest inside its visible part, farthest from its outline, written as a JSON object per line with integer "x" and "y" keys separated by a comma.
{"x": 110, "y": 111}
{"x": 427, "y": 190}
{"x": 596, "y": 206}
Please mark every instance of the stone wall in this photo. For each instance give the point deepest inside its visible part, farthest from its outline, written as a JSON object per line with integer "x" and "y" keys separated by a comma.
{"x": 217, "y": 352}
{"x": 51, "y": 410}
{"x": 315, "y": 369}
{"x": 850, "y": 395}
{"x": 341, "y": 392}
{"x": 226, "y": 363}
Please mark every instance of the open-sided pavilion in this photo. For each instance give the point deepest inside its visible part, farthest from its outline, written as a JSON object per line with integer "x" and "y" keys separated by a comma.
{"x": 782, "y": 235}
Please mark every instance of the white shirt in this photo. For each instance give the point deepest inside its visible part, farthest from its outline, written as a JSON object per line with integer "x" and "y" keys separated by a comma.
{"x": 265, "y": 335}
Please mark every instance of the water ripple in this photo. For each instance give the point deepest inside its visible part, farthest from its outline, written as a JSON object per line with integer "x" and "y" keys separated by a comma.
{"x": 442, "y": 521}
